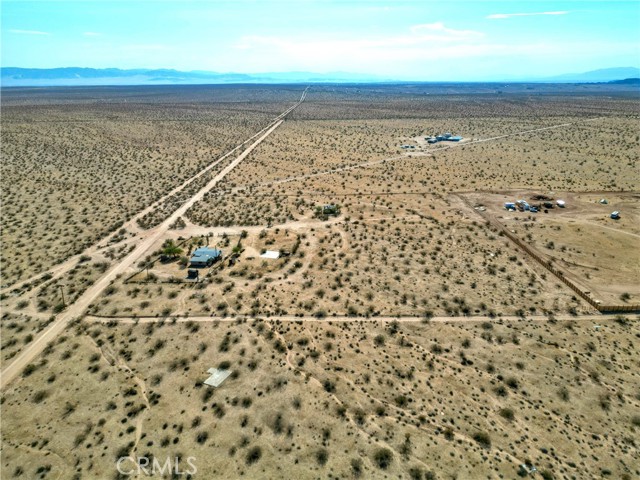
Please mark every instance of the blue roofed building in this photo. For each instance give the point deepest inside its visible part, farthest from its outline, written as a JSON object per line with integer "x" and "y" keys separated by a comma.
{"x": 447, "y": 137}
{"x": 205, "y": 257}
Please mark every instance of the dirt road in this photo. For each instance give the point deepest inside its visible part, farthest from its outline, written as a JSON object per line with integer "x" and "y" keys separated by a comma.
{"x": 60, "y": 269}
{"x": 131, "y": 224}
{"x": 149, "y": 238}
{"x": 344, "y": 319}
{"x": 617, "y": 230}
{"x": 405, "y": 156}
{"x": 146, "y": 241}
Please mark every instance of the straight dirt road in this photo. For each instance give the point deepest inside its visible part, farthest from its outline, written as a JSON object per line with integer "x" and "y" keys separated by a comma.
{"x": 372, "y": 163}
{"x": 146, "y": 241}
{"x": 148, "y": 238}
{"x": 61, "y": 268}
{"x": 395, "y": 158}
{"x": 346, "y": 319}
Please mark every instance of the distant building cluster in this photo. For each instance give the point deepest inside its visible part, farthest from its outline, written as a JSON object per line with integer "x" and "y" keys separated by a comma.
{"x": 445, "y": 137}
{"x": 524, "y": 206}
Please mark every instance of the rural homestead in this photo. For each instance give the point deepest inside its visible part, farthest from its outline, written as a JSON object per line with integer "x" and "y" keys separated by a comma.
{"x": 320, "y": 240}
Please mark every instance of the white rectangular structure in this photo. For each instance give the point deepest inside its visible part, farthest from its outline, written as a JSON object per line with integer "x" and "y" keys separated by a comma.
{"x": 217, "y": 377}
{"x": 273, "y": 254}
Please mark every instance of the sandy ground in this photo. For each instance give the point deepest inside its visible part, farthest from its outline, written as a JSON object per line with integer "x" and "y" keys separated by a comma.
{"x": 143, "y": 245}
{"x": 325, "y": 392}
{"x": 592, "y": 250}
{"x": 453, "y": 397}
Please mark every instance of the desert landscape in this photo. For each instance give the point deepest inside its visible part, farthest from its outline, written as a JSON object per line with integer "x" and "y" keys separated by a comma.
{"x": 377, "y": 309}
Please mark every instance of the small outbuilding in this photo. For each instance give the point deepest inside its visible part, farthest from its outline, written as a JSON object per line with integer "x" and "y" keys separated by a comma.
{"x": 330, "y": 209}
{"x": 271, "y": 254}
{"x": 192, "y": 274}
{"x": 560, "y": 203}
{"x": 205, "y": 257}
{"x": 615, "y": 215}
{"x": 526, "y": 469}
{"x": 217, "y": 377}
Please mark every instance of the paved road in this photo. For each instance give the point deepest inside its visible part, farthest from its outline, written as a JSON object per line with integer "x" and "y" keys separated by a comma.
{"x": 147, "y": 240}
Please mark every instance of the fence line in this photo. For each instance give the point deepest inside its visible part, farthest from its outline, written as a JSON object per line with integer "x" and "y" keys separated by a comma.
{"x": 547, "y": 264}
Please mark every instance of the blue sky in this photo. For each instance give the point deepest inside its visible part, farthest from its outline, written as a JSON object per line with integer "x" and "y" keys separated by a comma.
{"x": 421, "y": 39}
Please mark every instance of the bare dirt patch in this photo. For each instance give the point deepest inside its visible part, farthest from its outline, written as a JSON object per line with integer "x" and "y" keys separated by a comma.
{"x": 595, "y": 251}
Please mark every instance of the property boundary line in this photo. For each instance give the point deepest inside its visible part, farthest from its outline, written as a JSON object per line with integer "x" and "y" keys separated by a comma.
{"x": 547, "y": 264}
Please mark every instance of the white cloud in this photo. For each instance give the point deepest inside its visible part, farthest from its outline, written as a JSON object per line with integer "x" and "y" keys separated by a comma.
{"x": 28, "y": 32}
{"x": 439, "y": 32}
{"x": 474, "y": 59}
{"x": 431, "y": 51}
{"x": 424, "y": 35}
{"x": 509, "y": 15}
{"x": 406, "y": 54}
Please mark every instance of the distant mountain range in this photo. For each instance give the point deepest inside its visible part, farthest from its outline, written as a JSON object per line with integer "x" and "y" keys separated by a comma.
{"x": 74, "y": 76}
{"x": 602, "y": 75}
{"x": 13, "y": 76}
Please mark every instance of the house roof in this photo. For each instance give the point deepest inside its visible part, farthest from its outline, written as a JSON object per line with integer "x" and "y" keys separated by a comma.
{"x": 203, "y": 254}
{"x": 202, "y": 251}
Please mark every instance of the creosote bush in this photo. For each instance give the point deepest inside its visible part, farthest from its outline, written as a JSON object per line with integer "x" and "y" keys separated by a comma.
{"x": 383, "y": 458}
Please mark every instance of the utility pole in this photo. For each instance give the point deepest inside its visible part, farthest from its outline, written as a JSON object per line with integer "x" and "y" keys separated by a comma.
{"x": 62, "y": 293}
